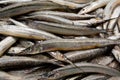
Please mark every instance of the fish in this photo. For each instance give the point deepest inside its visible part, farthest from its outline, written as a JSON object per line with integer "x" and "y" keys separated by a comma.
{"x": 50, "y": 18}
{"x": 93, "y": 6}
{"x": 26, "y": 7}
{"x": 6, "y": 44}
{"x": 110, "y": 7}
{"x": 95, "y": 77}
{"x": 8, "y": 63}
{"x": 85, "y": 68}
{"x": 71, "y": 16}
{"x": 86, "y": 54}
{"x": 93, "y": 22}
{"x": 13, "y": 1}
{"x": 66, "y": 29}
{"x": 68, "y": 45}
{"x": 80, "y": 1}
{"x": 9, "y": 41}
{"x": 24, "y": 32}
{"x": 17, "y": 22}
{"x": 69, "y": 4}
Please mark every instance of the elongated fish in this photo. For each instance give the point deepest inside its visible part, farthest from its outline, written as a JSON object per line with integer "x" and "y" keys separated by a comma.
{"x": 26, "y": 7}
{"x": 66, "y": 29}
{"x": 85, "y": 68}
{"x": 93, "y": 6}
{"x": 86, "y": 54}
{"x": 67, "y": 15}
{"x": 68, "y": 45}
{"x": 8, "y": 62}
{"x": 69, "y": 4}
{"x": 25, "y": 32}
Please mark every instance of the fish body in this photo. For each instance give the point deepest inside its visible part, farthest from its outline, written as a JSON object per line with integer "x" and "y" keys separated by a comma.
{"x": 93, "y": 6}
{"x": 24, "y": 32}
{"x": 85, "y": 67}
{"x": 66, "y": 29}
{"x": 68, "y": 45}
{"x": 26, "y": 7}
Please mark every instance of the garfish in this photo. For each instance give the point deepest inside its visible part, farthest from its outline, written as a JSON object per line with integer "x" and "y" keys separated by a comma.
{"x": 13, "y": 1}
{"x": 9, "y": 41}
{"x": 113, "y": 8}
{"x": 66, "y": 15}
{"x": 6, "y": 43}
{"x": 86, "y": 54}
{"x": 68, "y": 45}
{"x": 93, "y": 6}
{"x": 69, "y": 4}
{"x": 17, "y": 22}
{"x": 85, "y": 68}
{"x": 110, "y": 8}
{"x": 65, "y": 29}
{"x": 7, "y": 62}
{"x": 25, "y": 32}
{"x": 26, "y": 7}
{"x": 50, "y": 18}
{"x": 93, "y": 22}
{"x": 80, "y": 1}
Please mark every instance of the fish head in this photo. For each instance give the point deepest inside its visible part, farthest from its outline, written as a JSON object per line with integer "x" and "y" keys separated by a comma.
{"x": 84, "y": 10}
{"x": 34, "y": 49}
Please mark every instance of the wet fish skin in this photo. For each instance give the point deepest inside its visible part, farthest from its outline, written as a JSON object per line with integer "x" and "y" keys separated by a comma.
{"x": 93, "y": 6}
{"x": 113, "y": 8}
{"x": 13, "y": 1}
{"x": 50, "y": 18}
{"x": 102, "y": 60}
{"x": 94, "y": 22}
{"x": 95, "y": 77}
{"x": 6, "y": 43}
{"x": 31, "y": 73}
{"x": 66, "y": 29}
{"x": 86, "y": 54}
{"x": 7, "y": 62}
{"x": 15, "y": 50}
{"x": 110, "y": 7}
{"x": 68, "y": 45}
{"x": 22, "y": 8}
{"x": 79, "y": 1}
{"x": 85, "y": 67}
{"x": 66, "y": 15}
{"x": 69, "y": 4}
{"x": 23, "y": 32}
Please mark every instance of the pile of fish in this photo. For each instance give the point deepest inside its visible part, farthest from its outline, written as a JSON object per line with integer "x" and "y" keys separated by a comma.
{"x": 60, "y": 39}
